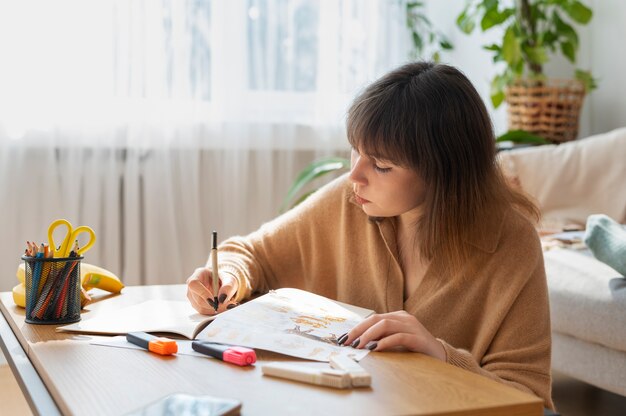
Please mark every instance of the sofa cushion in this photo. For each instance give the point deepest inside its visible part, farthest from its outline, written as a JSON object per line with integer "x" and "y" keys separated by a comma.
{"x": 587, "y": 298}
{"x": 573, "y": 180}
{"x": 592, "y": 363}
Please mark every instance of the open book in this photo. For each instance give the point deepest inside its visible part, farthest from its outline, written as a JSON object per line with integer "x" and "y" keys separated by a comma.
{"x": 288, "y": 321}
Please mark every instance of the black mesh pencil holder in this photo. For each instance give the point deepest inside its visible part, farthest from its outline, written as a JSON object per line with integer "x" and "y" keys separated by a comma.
{"x": 52, "y": 290}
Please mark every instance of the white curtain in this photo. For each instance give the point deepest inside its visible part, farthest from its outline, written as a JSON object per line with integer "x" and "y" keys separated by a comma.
{"x": 155, "y": 122}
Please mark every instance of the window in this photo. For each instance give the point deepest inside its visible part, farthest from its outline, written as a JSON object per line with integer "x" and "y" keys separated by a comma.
{"x": 236, "y": 61}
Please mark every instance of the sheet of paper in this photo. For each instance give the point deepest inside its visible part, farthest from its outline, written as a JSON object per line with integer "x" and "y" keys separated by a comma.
{"x": 184, "y": 346}
{"x": 571, "y": 236}
{"x": 287, "y": 321}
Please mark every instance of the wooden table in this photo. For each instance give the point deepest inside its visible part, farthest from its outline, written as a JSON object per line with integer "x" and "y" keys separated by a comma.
{"x": 64, "y": 373}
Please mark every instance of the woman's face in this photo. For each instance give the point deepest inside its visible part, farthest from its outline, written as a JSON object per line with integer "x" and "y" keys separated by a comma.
{"x": 384, "y": 189}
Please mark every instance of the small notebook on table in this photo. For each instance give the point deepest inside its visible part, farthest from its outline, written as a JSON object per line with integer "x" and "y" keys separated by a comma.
{"x": 160, "y": 316}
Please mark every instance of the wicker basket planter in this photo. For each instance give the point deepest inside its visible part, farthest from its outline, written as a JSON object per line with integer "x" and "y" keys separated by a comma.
{"x": 549, "y": 109}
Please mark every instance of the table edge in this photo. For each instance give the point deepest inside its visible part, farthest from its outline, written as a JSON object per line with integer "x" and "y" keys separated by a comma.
{"x": 35, "y": 392}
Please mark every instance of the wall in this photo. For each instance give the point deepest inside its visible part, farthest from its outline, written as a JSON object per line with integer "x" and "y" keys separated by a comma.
{"x": 605, "y": 53}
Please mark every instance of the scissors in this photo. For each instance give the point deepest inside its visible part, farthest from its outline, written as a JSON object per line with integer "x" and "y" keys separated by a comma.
{"x": 71, "y": 235}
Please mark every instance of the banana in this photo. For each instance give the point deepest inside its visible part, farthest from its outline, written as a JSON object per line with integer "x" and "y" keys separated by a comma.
{"x": 19, "y": 295}
{"x": 90, "y": 276}
{"x": 94, "y": 276}
{"x": 21, "y": 273}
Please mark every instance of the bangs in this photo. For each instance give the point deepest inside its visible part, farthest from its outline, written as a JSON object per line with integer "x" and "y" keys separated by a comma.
{"x": 385, "y": 135}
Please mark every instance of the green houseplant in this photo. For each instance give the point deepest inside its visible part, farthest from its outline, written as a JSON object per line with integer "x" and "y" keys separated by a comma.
{"x": 311, "y": 172}
{"x": 427, "y": 40}
{"x": 533, "y": 32}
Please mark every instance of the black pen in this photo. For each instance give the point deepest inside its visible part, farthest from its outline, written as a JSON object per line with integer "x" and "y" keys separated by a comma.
{"x": 216, "y": 277}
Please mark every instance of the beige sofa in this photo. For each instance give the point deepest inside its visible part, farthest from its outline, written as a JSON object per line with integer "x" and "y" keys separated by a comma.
{"x": 587, "y": 297}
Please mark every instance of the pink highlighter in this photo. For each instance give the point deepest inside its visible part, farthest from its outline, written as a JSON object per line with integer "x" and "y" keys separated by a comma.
{"x": 241, "y": 356}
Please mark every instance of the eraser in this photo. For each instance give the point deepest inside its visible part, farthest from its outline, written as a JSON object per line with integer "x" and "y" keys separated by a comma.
{"x": 358, "y": 375}
{"x": 338, "y": 379}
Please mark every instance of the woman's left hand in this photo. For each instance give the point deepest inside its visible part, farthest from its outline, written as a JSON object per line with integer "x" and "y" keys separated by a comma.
{"x": 392, "y": 330}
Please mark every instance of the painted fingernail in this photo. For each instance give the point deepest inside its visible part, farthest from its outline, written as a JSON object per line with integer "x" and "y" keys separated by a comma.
{"x": 342, "y": 339}
{"x": 355, "y": 343}
{"x": 371, "y": 345}
{"x": 232, "y": 305}
{"x": 222, "y": 297}
{"x": 211, "y": 303}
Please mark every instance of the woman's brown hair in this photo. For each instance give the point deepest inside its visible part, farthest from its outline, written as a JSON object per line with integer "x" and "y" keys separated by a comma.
{"x": 428, "y": 117}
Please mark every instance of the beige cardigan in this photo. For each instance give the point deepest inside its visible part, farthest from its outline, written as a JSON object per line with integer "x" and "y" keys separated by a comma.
{"x": 492, "y": 316}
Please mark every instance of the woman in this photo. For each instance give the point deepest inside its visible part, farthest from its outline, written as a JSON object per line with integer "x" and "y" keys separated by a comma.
{"x": 423, "y": 230}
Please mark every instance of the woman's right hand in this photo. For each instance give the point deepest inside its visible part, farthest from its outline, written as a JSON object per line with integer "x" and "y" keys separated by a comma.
{"x": 199, "y": 291}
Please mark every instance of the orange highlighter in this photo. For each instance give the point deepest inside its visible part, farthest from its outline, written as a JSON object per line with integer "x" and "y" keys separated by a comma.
{"x": 158, "y": 345}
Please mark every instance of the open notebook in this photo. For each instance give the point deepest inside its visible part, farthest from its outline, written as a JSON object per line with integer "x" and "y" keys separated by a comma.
{"x": 288, "y": 321}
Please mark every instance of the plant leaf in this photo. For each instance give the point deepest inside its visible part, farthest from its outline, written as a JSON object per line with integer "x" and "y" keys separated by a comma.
{"x": 536, "y": 54}
{"x": 578, "y": 12}
{"x": 568, "y": 50}
{"x": 511, "y": 50}
{"x": 465, "y": 22}
{"x": 518, "y": 69}
{"x": 445, "y": 44}
{"x": 490, "y": 4}
{"x": 488, "y": 20}
{"x": 498, "y": 83}
{"x": 549, "y": 38}
{"x": 497, "y": 98}
{"x": 312, "y": 171}
{"x": 302, "y": 198}
{"x": 492, "y": 18}
{"x": 413, "y": 4}
{"x": 424, "y": 19}
{"x": 417, "y": 42}
{"x": 587, "y": 79}
{"x": 521, "y": 136}
{"x": 563, "y": 29}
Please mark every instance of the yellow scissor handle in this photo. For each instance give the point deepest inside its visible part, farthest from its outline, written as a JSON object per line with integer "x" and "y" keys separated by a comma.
{"x": 74, "y": 237}
{"x": 71, "y": 235}
{"x": 59, "y": 252}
